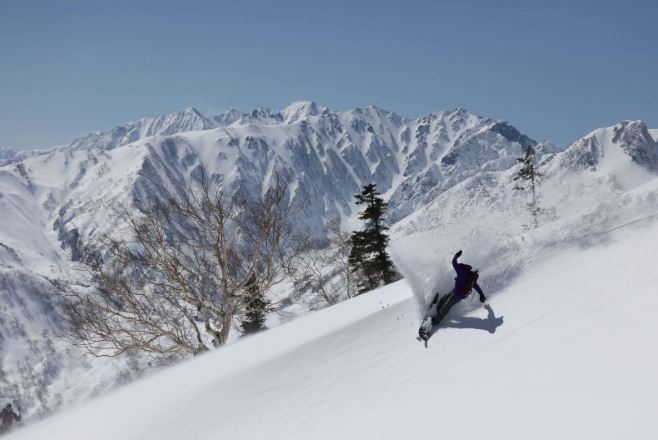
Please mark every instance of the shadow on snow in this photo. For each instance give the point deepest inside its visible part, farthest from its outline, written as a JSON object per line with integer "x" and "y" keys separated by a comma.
{"x": 489, "y": 324}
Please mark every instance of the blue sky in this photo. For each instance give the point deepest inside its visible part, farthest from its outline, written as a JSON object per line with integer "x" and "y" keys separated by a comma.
{"x": 555, "y": 69}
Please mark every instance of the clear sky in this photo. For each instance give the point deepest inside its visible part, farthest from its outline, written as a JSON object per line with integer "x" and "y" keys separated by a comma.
{"x": 555, "y": 69}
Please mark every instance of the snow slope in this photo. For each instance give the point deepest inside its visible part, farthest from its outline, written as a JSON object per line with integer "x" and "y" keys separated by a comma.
{"x": 565, "y": 350}
{"x": 447, "y": 177}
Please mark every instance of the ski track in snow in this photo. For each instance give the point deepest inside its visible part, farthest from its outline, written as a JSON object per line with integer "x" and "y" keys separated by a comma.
{"x": 569, "y": 353}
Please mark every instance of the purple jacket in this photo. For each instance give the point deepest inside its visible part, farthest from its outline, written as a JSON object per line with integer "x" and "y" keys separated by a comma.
{"x": 461, "y": 282}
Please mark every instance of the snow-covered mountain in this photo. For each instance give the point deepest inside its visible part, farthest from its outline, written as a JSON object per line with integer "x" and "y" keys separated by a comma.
{"x": 630, "y": 137}
{"x": 565, "y": 350}
{"x": 332, "y": 155}
{"x": 447, "y": 177}
{"x": 189, "y": 119}
{"x": 9, "y": 155}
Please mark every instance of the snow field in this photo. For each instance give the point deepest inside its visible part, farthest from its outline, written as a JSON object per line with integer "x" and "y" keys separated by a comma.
{"x": 566, "y": 350}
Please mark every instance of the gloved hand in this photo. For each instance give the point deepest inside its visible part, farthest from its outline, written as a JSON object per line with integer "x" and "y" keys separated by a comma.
{"x": 482, "y": 299}
{"x": 459, "y": 253}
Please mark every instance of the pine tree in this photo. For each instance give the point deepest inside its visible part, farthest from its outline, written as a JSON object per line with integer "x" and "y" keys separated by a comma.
{"x": 256, "y": 310}
{"x": 368, "y": 257}
{"x": 529, "y": 173}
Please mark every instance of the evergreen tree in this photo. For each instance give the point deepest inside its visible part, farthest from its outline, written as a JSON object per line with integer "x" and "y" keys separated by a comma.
{"x": 256, "y": 310}
{"x": 368, "y": 257}
{"x": 529, "y": 173}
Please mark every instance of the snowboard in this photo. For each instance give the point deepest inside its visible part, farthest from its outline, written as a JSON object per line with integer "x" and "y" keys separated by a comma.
{"x": 425, "y": 330}
{"x": 427, "y": 326}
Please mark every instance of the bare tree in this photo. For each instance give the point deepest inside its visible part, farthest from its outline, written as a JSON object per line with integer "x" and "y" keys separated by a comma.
{"x": 341, "y": 247}
{"x": 176, "y": 286}
{"x": 324, "y": 270}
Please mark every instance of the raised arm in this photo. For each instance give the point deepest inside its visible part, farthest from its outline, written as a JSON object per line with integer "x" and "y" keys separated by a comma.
{"x": 454, "y": 261}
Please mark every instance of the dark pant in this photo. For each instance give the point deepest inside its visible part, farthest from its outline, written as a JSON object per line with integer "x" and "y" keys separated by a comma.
{"x": 444, "y": 306}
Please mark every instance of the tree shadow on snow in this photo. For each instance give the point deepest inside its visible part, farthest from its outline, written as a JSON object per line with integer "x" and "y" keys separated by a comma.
{"x": 489, "y": 324}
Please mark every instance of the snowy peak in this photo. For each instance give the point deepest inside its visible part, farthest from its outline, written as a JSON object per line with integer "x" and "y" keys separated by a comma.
{"x": 300, "y": 110}
{"x": 458, "y": 119}
{"x": 189, "y": 119}
{"x": 446, "y": 148}
{"x": 227, "y": 118}
{"x": 387, "y": 127}
{"x": 263, "y": 115}
{"x": 478, "y": 143}
{"x": 613, "y": 146}
{"x": 634, "y": 138}
{"x": 510, "y": 133}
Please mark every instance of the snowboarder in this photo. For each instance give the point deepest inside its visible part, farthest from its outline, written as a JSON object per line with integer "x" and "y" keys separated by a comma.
{"x": 465, "y": 282}
{"x": 7, "y": 417}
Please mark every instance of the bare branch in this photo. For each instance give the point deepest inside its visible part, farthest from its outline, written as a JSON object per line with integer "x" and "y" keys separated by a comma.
{"x": 177, "y": 285}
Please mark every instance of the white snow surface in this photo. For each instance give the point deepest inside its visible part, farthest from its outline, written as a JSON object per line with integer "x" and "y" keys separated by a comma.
{"x": 654, "y": 134}
{"x": 447, "y": 177}
{"x": 565, "y": 350}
